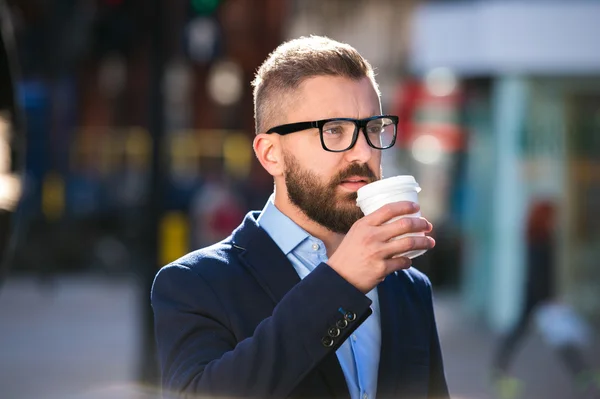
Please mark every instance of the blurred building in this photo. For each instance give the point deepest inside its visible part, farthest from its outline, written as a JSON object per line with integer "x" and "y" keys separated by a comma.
{"x": 86, "y": 72}
{"x": 529, "y": 73}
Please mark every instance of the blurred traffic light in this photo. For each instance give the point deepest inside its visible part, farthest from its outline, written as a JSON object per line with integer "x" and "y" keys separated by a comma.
{"x": 204, "y": 7}
{"x": 202, "y": 33}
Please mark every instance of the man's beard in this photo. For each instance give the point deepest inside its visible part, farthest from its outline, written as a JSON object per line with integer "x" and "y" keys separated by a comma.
{"x": 321, "y": 202}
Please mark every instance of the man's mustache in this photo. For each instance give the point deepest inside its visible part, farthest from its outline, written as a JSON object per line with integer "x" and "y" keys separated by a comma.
{"x": 355, "y": 169}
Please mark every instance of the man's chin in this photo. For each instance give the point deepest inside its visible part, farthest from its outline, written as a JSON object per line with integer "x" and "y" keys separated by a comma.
{"x": 337, "y": 219}
{"x": 349, "y": 207}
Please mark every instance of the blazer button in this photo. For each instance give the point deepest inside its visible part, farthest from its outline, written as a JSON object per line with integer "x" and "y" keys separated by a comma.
{"x": 341, "y": 324}
{"x": 327, "y": 341}
{"x": 350, "y": 316}
{"x": 333, "y": 332}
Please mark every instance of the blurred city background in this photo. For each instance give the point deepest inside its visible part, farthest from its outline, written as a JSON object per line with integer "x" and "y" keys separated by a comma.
{"x": 128, "y": 144}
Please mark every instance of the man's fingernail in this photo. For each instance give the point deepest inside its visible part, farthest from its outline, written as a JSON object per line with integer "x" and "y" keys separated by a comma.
{"x": 416, "y": 206}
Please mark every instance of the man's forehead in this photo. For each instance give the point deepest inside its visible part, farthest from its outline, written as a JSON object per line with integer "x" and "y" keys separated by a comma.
{"x": 323, "y": 97}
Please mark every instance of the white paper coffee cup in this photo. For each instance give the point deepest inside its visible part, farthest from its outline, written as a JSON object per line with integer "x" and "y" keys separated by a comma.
{"x": 393, "y": 189}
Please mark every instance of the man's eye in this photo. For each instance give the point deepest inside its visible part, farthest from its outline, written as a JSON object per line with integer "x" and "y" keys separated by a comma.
{"x": 374, "y": 129}
{"x": 333, "y": 130}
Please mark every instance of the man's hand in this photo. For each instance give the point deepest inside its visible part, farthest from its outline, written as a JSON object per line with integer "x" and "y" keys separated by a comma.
{"x": 365, "y": 256}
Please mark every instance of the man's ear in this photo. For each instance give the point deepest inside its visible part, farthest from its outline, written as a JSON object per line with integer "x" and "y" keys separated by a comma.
{"x": 267, "y": 148}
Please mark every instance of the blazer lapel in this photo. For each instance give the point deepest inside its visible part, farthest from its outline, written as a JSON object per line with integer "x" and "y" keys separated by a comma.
{"x": 391, "y": 336}
{"x": 274, "y": 272}
{"x": 263, "y": 258}
{"x": 271, "y": 268}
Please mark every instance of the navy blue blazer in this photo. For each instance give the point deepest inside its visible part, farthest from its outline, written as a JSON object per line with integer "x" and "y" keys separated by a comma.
{"x": 235, "y": 320}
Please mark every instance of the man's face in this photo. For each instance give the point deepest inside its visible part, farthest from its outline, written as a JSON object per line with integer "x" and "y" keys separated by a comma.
{"x": 323, "y": 184}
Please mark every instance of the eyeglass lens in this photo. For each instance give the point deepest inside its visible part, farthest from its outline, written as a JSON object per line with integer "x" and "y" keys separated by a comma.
{"x": 338, "y": 134}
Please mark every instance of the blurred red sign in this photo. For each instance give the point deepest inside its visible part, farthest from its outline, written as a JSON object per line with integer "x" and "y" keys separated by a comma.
{"x": 423, "y": 113}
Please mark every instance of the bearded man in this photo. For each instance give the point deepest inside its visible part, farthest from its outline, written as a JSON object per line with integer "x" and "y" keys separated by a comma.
{"x": 306, "y": 298}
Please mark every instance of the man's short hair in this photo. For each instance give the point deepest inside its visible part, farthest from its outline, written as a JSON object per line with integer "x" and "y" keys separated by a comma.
{"x": 297, "y": 60}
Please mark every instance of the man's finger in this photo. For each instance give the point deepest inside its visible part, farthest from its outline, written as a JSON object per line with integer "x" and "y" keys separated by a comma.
{"x": 402, "y": 226}
{"x": 391, "y": 210}
{"x": 396, "y": 264}
{"x": 408, "y": 243}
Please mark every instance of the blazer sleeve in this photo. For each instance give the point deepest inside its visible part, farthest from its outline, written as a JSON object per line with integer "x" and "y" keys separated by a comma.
{"x": 199, "y": 353}
{"x": 438, "y": 388}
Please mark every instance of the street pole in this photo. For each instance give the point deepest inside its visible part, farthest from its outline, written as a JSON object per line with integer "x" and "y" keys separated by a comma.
{"x": 149, "y": 368}
{"x": 10, "y": 220}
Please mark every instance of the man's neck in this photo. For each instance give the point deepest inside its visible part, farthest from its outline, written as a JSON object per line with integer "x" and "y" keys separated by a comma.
{"x": 330, "y": 239}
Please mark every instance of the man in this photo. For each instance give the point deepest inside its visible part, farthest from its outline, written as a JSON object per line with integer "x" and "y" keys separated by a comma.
{"x": 305, "y": 299}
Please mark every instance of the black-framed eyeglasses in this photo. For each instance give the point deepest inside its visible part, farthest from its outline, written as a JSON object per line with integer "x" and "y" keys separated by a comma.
{"x": 341, "y": 134}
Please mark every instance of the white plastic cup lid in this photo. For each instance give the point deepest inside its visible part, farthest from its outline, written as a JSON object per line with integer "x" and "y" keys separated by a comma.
{"x": 390, "y": 184}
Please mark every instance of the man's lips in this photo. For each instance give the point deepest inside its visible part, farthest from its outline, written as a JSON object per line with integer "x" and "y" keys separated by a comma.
{"x": 354, "y": 183}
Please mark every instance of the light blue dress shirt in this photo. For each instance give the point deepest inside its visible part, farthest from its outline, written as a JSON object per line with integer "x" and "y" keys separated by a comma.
{"x": 359, "y": 355}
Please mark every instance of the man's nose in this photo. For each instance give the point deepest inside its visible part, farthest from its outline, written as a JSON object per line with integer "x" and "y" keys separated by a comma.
{"x": 361, "y": 151}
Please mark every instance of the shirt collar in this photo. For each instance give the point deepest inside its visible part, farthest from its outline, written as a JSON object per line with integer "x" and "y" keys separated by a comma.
{"x": 283, "y": 230}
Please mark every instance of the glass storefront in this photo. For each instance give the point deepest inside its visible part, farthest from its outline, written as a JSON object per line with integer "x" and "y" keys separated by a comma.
{"x": 561, "y": 164}
{"x": 557, "y": 161}
{"x": 581, "y": 259}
